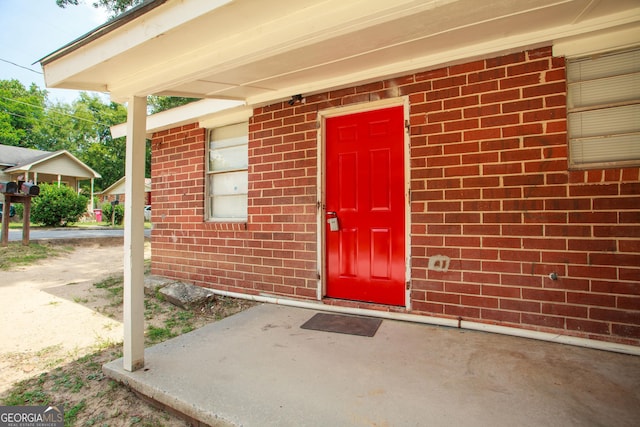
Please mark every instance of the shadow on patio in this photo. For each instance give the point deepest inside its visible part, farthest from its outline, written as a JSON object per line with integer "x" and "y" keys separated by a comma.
{"x": 259, "y": 368}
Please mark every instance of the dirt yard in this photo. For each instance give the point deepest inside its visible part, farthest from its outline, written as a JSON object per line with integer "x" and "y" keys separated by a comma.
{"x": 61, "y": 320}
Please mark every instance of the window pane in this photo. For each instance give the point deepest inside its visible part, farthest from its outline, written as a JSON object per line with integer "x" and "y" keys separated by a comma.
{"x": 605, "y": 149}
{"x": 232, "y": 207}
{"x": 232, "y": 157}
{"x": 604, "y": 66}
{"x": 228, "y": 147}
{"x": 605, "y": 122}
{"x": 229, "y": 183}
{"x": 605, "y": 91}
{"x": 228, "y": 195}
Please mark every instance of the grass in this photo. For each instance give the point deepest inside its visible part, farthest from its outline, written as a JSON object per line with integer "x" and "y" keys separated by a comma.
{"x": 78, "y": 383}
{"x": 88, "y": 396}
{"x": 16, "y": 254}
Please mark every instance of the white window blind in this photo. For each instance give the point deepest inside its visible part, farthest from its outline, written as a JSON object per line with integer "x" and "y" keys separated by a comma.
{"x": 227, "y": 178}
{"x": 603, "y": 103}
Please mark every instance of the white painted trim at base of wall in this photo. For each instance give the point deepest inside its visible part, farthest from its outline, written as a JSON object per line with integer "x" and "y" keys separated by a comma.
{"x": 437, "y": 321}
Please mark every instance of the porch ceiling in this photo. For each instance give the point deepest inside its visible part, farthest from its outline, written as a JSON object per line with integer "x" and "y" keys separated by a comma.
{"x": 264, "y": 51}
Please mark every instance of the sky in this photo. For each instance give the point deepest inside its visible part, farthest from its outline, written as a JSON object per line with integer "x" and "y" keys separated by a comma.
{"x": 32, "y": 29}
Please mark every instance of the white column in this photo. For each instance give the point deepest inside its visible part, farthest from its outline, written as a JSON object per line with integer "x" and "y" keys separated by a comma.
{"x": 133, "y": 352}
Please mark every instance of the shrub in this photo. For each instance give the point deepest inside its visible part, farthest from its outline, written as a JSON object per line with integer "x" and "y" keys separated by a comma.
{"x": 57, "y": 206}
{"x": 107, "y": 211}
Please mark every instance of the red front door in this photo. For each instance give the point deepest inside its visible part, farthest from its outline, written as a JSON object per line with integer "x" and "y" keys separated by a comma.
{"x": 365, "y": 257}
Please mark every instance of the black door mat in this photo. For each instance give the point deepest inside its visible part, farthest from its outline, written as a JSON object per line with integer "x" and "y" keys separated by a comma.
{"x": 352, "y": 325}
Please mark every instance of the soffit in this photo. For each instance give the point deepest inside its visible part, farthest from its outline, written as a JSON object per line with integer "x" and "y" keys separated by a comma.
{"x": 264, "y": 51}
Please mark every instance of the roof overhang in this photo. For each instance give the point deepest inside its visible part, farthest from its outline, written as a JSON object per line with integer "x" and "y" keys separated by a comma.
{"x": 267, "y": 51}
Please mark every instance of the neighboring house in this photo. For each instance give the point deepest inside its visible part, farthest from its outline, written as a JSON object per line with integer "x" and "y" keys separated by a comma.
{"x": 58, "y": 167}
{"x": 116, "y": 192}
{"x": 473, "y": 164}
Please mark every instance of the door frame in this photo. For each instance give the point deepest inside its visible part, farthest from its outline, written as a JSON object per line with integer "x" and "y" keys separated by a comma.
{"x": 323, "y": 115}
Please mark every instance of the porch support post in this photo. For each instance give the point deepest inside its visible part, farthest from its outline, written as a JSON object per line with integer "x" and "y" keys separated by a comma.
{"x": 133, "y": 352}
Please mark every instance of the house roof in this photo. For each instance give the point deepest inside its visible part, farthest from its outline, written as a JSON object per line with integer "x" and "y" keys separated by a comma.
{"x": 118, "y": 186}
{"x": 62, "y": 162}
{"x": 13, "y": 156}
{"x": 267, "y": 51}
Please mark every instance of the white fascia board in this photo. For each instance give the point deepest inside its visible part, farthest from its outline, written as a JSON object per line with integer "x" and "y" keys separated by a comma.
{"x": 192, "y": 112}
{"x": 149, "y": 26}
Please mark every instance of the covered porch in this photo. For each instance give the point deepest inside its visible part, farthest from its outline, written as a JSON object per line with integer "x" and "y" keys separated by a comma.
{"x": 258, "y": 53}
{"x": 260, "y": 368}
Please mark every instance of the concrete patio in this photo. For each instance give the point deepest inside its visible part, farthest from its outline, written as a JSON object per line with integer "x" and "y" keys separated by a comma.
{"x": 259, "y": 368}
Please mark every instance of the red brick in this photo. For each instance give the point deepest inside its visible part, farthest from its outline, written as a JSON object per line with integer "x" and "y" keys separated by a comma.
{"x": 505, "y": 60}
{"x": 614, "y": 259}
{"x": 482, "y": 302}
{"x": 487, "y": 86}
{"x": 617, "y": 316}
{"x": 544, "y": 89}
{"x": 519, "y": 305}
{"x": 565, "y": 310}
{"x": 500, "y": 96}
{"x": 587, "y": 326}
{"x": 466, "y": 67}
{"x": 463, "y": 312}
{"x": 482, "y": 76}
{"x": 500, "y": 315}
{"x": 629, "y": 331}
{"x": 629, "y": 303}
{"x": 542, "y": 320}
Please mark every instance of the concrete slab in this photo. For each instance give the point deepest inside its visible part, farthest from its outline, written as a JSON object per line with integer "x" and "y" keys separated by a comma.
{"x": 258, "y": 368}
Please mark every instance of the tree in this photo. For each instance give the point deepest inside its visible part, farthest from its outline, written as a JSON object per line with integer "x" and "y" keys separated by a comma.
{"x": 116, "y": 7}
{"x": 20, "y": 111}
{"x": 57, "y": 206}
{"x": 162, "y": 103}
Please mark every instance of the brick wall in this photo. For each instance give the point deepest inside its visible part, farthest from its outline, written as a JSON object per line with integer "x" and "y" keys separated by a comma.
{"x": 491, "y": 191}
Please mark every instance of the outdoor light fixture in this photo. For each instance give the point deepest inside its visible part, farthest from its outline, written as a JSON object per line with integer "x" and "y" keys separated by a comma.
{"x": 295, "y": 98}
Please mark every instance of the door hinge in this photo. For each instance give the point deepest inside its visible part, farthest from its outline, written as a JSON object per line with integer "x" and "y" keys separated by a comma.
{"x": 407, "y": 126}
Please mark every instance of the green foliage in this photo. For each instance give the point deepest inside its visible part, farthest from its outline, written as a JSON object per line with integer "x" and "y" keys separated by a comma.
{"x": 107, "y": 212}
{"x": 21, "y": 110}
{"x": 116, "y": 7}
{"x": 28, "y": 120}
{"x": 161, "y": 103}
{"x": 57, "y": 206}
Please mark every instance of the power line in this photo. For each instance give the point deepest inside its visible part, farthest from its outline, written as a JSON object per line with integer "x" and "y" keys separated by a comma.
{"x": 20, "y": 66}
{"x": 54, "y": 110}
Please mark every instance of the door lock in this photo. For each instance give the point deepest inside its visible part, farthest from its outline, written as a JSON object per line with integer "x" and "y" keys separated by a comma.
{"x": 334, "y": 225}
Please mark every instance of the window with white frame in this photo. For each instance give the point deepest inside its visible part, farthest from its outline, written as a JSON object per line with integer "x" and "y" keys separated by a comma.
{"x": 603, "y": 102}
{"x": 227, "y": 173}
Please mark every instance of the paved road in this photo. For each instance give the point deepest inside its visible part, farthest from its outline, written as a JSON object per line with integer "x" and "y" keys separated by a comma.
{"x": 69, "y": 233}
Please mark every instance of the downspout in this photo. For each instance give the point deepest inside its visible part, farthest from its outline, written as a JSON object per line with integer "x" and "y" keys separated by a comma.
{"x": 437, "y": 321}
